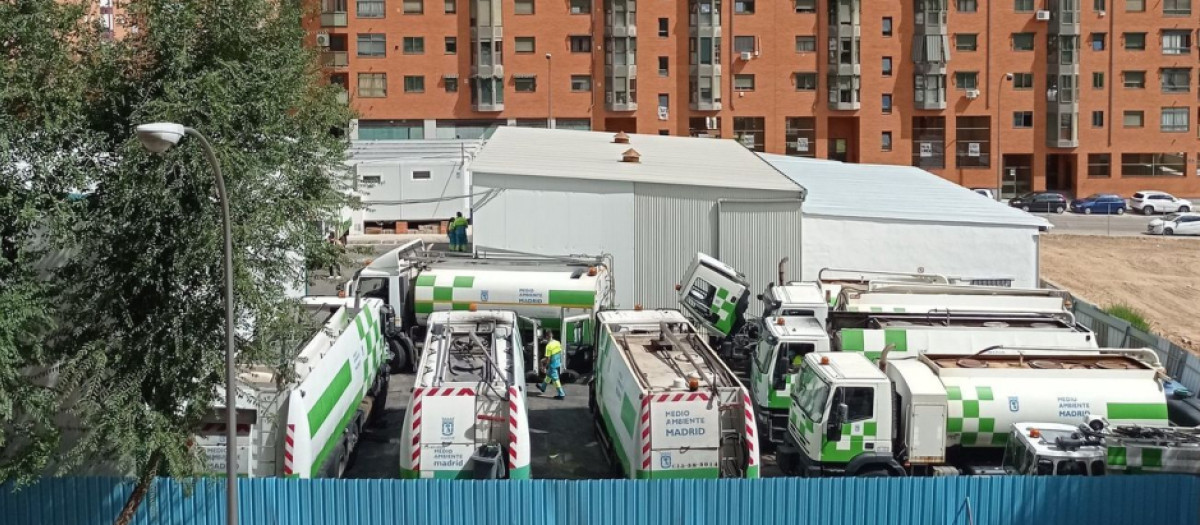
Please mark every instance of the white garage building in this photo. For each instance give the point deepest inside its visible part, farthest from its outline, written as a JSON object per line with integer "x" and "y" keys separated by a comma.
{"x": 901, "y": 218}
{"x": 570, "y": 192}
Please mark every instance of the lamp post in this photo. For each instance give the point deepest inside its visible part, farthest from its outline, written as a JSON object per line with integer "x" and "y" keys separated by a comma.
{"x": 549, "y": 92}
{"x": 999, "y": 135}
{"x": 157, "y": 138}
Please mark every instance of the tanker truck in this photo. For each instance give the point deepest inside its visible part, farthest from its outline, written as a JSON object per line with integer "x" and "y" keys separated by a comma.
{"x": 664, "y": 405}
{"x": 943, "y": 415}
{"x": 1097, "y": 448}
{"x": 468, "y": 417}
{"x": 559, "y": 293}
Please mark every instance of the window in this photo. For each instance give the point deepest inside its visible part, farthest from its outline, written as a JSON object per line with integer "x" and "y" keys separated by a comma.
{"x": 372, "y": 85}
{"x": 966, "y": 6}
{"x": 1098, "y": 5}
{"x": 806, "y": 6}
{"x": 887, "y": 103}
{"x": 1135, "y": 6}
{"x": 1022, "y": 119}
{"x": 885, "y": 141}
{"x": 664, "y": 66}
{"x": 414, "y": 84}
{"x": 806, "y": 81}
{"x": 581, "y": 43}
{"x": 1135, "y": 41}
{"x": 370, "y": 9}
{"x": 1023, "y": 6}
{"x": 964, "y": 80}
{"x": 449, "y": 6}
{"x": 1099, "y": 165}
{"x": 742, "y": 7}
{"x": 1176, "y": 80}
{"x": 966, "y": 41}
{"x": 451, "y": 84}
{"x": 1022, "y": 81}
{"x": 887, "y": 66}
{"x": 1174, "y": 120}
{"x": 372, "y": 45}
{"x": 523, "y": 7}
{"x": 1098, "y": 80}
{"x": 929, "y": 142}
{"x": 973, "y": 144}
{"x": 422, "y": 175}
{"x": 806, "y": 44}
{"x": 1134, "y": 79}
{"x": 743, "y": 44}
{"x": 524, "y": 44}
{"x": 1176, "y": 42}
{"x": 1022, "y": 41}
{"x": 929, "y": 89}
{"x": 581, "y": 7}
{"x": 887, "y": 26}
{"x": 859, "y": 399}
{"x": 664, "y": 104}
{"x": 1133, "y": 119}
{"x": 663, "y": 29}
{"x": 451, "y": 45}
{"x": 525, "y": 84}
{"x": 581, "y": 83}
{"x": 751, "y": 132}
{"x": 414, "y": 45}
{"x": 931, "y": 49}
{"x": 743, "y": 82}
{"x": 1097, "y": 40}
{"x": 371, "y": 179}
{"x": 414, "y": 7}
{"x": 1097, "y": 119}
{"x": 1153, "y": 164}
{"x": 801, "y": 135}
{"x": 1177, "y": 7}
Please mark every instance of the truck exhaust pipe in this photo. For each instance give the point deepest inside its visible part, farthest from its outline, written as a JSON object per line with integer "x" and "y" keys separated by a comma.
{"x": 357, "y": 289}
{"x": 883, "y": 356}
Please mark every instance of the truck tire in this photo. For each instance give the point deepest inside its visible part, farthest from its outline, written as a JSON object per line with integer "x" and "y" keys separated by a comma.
{"x": 788, "y": 460}
{"x": 379, "y": 407}
{"x": 401, "y": 354}
{"x": 568, "y": 376}
{"x": 875, "y": 472}
{"x": 329, "y": 469}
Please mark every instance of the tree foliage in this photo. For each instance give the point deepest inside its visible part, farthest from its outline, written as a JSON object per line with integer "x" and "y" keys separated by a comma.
{"x": 139, "y": 333}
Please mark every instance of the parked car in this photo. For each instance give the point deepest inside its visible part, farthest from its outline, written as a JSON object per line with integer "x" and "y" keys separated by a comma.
{"x": 1151, "y": 202}
{"x": 1176, "y": 224}
{"x": 1040, "y": 201}
{"x": 986, "y": 192}
{"x": 1099, "y": 203}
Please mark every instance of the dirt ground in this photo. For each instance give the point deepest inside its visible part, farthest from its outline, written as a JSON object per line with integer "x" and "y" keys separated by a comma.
{"x": 1158, "y": 276}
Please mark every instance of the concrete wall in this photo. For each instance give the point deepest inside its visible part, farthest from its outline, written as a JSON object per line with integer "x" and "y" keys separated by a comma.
{"x": 396, "y": 184}
{"x": 950, "y": 249}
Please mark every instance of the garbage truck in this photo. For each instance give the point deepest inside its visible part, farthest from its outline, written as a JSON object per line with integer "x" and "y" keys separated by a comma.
{"x": 468, "y": 417}
{"x": 559, "y": 293}
{"x": 306, "y": 422}
{"x": 1097, "y": 448}
{"x": 944, "y": 414}
{"x": 665, "y": 406}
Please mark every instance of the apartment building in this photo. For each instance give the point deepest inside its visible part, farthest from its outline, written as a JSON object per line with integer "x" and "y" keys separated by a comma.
{"x": 1026, "y": 94}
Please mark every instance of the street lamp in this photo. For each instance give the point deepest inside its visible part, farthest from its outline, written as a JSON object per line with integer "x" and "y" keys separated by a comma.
{"x": 999, "y": 134}
{"x": 549, "y": 92}
{"x": 159, "y": 137}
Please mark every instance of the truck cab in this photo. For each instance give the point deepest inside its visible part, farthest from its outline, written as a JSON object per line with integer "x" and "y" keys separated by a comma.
{"x": 840, "y": 419}
{"x": 1053, "y": 449}
{"x": 783, "y": 342}
{"x": 715, "y": 295}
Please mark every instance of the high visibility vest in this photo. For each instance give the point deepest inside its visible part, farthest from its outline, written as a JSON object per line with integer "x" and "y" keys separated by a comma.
{"x": 458, "y": 222}
{"x": 553, "y": 348}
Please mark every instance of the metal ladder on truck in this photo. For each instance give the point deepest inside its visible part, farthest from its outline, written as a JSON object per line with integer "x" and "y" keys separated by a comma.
{"x": 491, "y": 408}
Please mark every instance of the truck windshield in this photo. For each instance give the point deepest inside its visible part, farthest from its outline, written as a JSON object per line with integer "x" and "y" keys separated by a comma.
{"x": 811, "y": 395}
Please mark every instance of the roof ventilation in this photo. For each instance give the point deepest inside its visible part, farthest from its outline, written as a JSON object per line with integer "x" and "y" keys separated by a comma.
{"x": 631, "y": 155}
{"x": 621, "y": 138}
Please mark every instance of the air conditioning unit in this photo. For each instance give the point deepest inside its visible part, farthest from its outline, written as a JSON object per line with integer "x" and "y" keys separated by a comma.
{"x": 1043, "y": 16}
{"x": 747, "y": 55}
{"x": 972, "y": 94}
{"x": 322, "y": 39}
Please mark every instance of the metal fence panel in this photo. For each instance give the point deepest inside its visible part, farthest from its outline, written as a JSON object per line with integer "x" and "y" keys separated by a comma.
{"x": 1018, "y": 500}
{"x": 1112, "y": 332}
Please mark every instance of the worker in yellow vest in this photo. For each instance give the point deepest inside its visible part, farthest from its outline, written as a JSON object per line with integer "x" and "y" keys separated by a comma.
{"x": 553, "y": 363}
{"x": 458, "y": 233}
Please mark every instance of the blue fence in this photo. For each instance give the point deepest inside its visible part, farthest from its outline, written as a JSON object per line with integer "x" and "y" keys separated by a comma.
{"x": 1160, "y": 500}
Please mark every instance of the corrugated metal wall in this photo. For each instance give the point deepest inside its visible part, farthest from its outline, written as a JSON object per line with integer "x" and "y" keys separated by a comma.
{"x": 1161, "y": 500}
{"x": 754, "y": 236}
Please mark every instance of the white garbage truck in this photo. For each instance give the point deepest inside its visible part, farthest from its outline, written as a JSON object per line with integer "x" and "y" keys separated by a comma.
{"x": 1097, "y": 448}
{"x": 560, "y": 293}
{"x": 306, "y": 422}
{"x": 937, "y": 414}
{"x": 665, "y": 405}
{"x": 468, "y": 417}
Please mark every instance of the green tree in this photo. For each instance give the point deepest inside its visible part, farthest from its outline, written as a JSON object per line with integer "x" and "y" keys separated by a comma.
{"x": 141, "y": 331}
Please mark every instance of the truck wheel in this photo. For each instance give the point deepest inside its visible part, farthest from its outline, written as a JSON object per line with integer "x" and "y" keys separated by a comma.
{"x": 343, "y": 463}
{"x": 399, "y": 361}
{"x": 569, "y": 376}
{"x": 788, "y": 460}
{"x": 874, "y": 472}
{"x": 378, "y": 408}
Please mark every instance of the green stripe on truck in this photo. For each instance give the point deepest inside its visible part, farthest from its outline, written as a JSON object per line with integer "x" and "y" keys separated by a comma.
{"x": 328, "y": 400}
{"x": 1137, "y": 411}
{"x": 897, "y": 337}
{"x": 572, "y": 298}
{"x": 852, "y": 340}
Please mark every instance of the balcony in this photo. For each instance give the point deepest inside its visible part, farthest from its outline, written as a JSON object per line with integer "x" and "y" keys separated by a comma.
{"x": 333, "y": 19}
{"x": 335, "y": 58}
